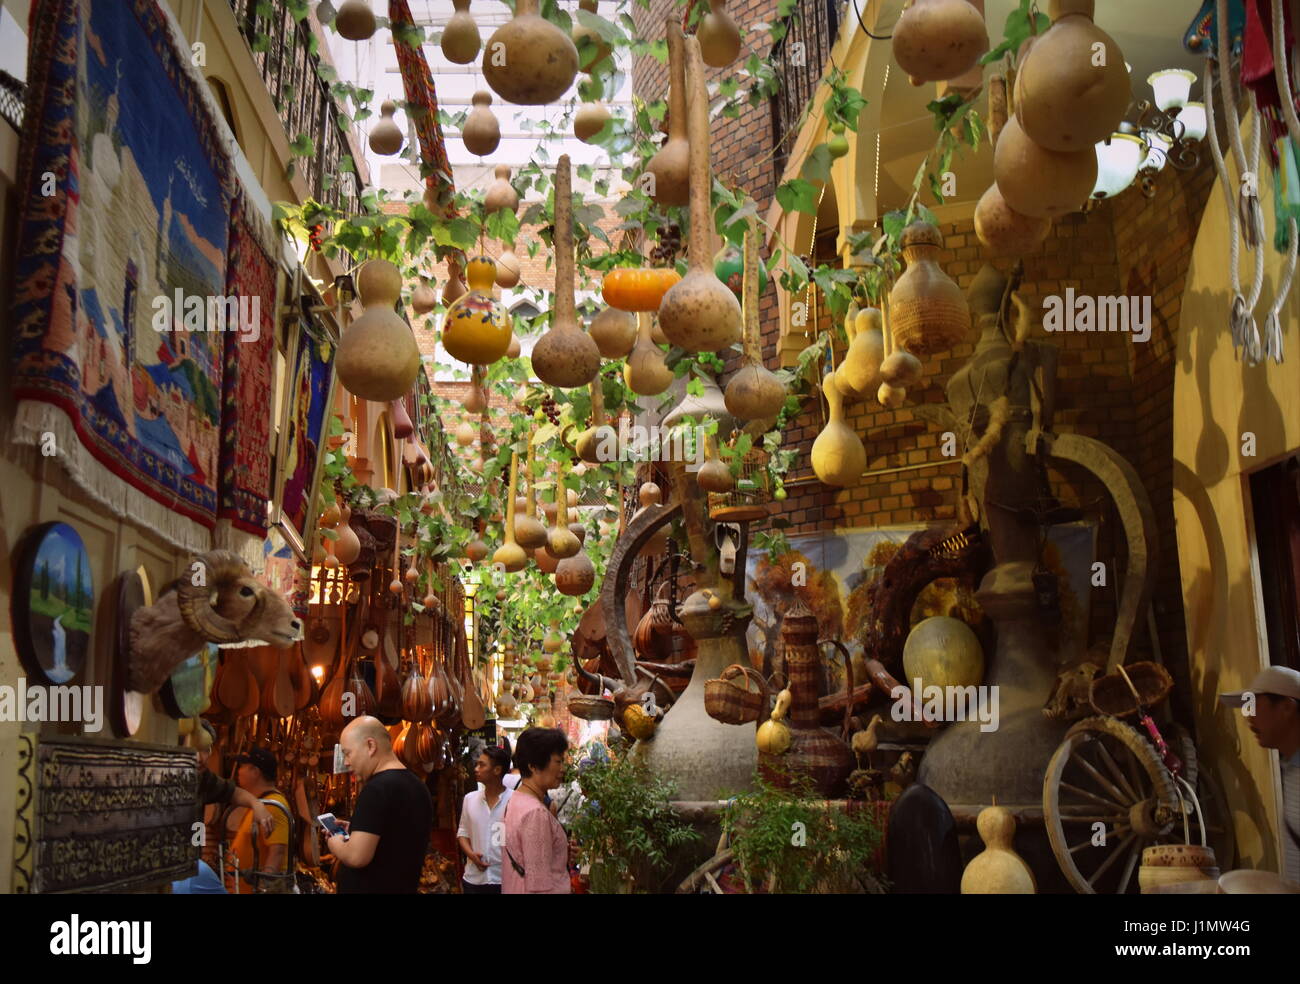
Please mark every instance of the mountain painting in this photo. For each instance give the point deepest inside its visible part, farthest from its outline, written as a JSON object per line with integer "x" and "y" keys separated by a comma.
{"x": 60, "y": 601}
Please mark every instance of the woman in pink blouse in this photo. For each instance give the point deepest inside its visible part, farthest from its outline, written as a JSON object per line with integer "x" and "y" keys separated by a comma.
{"x": 537, "y": 851}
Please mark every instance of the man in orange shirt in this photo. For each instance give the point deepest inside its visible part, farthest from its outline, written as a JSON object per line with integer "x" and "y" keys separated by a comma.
{"x": 270, "y": 854}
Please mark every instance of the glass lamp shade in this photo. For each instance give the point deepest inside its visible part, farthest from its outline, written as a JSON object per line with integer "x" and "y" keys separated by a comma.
{"x": 1159, "y": 152}
{"x": 1192, "y": 118}
{"x": 1171, "y": 87}
{"x": 1118, "y": 161}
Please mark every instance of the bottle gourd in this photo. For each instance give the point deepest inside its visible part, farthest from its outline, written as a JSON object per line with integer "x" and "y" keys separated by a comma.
{"x": 460, "y": 38}
{"x": 754, "y": 392}
{"x": 670, "y": 167}
{"x": 477, "y": 330}
{"x": 529, "y": 61}
{"x": 481, "y": 133}
{"x": 838, "y": 456}
{"x": 510, "y": 555}
{"x": 378, "y": 358}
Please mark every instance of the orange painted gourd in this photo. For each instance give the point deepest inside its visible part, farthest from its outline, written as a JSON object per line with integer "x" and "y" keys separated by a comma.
{"x": 638, "y": 288}
{"x": 477, "y": 329}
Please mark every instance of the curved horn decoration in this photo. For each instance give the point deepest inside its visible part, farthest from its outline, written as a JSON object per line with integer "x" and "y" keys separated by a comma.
{"x": 195, "y": 603}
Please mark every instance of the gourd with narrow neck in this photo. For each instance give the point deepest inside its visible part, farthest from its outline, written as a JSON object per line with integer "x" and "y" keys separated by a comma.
{"x": 481, "y": 133}
{"x": 477, "y": 329}
{"x": 460, "y": 38}
{"x": 529, "y": 531}
{"x": 671, "y": 165}
{"x": 838, "y": 457}
{"x": 561, "y": 541}
{"x": 386, "y": 137}
{"x": 510, "y": 555}
{"x": 754, "y": 392}
{"x": 646, "y": 372}
{"x": 378, "y": 358}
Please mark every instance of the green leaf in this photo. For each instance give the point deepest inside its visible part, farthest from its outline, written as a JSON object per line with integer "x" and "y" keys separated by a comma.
{"x": 798, "y": 195}
{"x": 302, "y": 146}
{"x": 817, "y": 166}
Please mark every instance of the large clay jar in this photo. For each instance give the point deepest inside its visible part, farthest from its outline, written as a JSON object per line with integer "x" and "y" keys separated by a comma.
{"x": 928, "y": 312}
{"x": 936, "y": 40}
{"x": 565, "y": 356}
{"x": 814, "y": 751}
{"x": 386, "y": 137}
{"x": 858, "y": 376}
{"x": 477, "y": 329}
{"x": 1003, "y": 231}
{"x": 378, "y": 358}
{"x": 481, "y": 133}
{"x": 838, "y": 457}
{"x": 671, "y": 164}
{"x": 1073, "y": 87}
{"x": 529, "y": 61}
{"x": 460, "y": 38}
{"x": 699, "y": 313}
{"x": 1041, "y": 183}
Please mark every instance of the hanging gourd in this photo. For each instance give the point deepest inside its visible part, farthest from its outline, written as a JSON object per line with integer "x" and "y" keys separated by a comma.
{"x": 565, "y": 356}
{"x": 928, "y": 311}
{"x": 590, "y": 120}
{"x": 460, "y": 38}
{"x": 638, "y": 288}
{"x": 859, "y": 374}
{"x": 476, "y": 550}
{"x": 510, "y": 555}
{"x": 561, "y": 541}
{"x": 576, "y": 575}
{"x": 481, "y": 133}
{"x": 508, "y": 270}
{"x": 1038, "y": 182}
{"x": 937, "y": 40}
{"x": 600, "y": 47}
{"x": 614, "y": 332}
{"x": 475, "y": 400}
{"x": 718, "y": 35}
{"x": 454, "y": 289}
{"x": 546, "y": 563}
{"x": 754, "y": 392}
{"x": 838, "y": 457}
{"x": 1072, "y": 88}
{"x": 501, "y": 193}
{"x": 386, "y": 137}
{"x": 598, "y": 443}
{"x": 465, "y": 434}
{"x": 423, "y": 298}
{"x": 477, "y": 329}
{"x": 516, "y": 348}
{"x": 700, "y": 314}
{"x": 378, "y": 358}
{"x": 1003, "y": 230}
{"x": 355, "y": 21}
{"x": 529, "y": 531}
{"x": 646, "y": 372}
{"x": 899, "y": 369}
{"x": 670, "y": 167}
{"x": 714, "y": 475}
{"x": 729, "y": 265}
{"x": 347, "y": 548}
{"x": 529, "y": 61}
{"x": 649, "y": 495}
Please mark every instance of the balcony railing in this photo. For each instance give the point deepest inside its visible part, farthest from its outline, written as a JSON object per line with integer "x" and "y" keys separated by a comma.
{"x": 303, "y": 101}
{"x": 13, "y": 96}
{"x": 799, "y": 58}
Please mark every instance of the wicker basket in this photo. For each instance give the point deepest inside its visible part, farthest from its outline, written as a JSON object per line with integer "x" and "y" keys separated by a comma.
{"x": 1109, "y": 694}
{"x": 591, "y": 708}
{"x": 749, "y": 500}
{"x": 927, "y": 311}
{"x": 739, "y": 696}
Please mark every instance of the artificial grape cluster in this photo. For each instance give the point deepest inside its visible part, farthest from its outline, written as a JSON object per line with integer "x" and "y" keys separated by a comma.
{"x": 314, "y": 234}
{"x": 550, "y": 409}
{"x": 670, "y": 244}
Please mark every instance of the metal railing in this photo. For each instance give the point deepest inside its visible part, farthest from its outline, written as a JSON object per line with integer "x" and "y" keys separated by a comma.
{"x": 13, "y": 97}
{"x": 282, "y": 47}
{"x": 799, "y": 58}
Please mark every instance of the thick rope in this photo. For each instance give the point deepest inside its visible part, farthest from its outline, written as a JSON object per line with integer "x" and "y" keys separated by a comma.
{"x": 1253, "y": 221}
{"x": 1282, "y": 74}
{"x": 1225, "y": 182}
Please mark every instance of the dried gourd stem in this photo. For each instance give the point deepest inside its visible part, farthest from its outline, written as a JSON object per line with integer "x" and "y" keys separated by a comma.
{"x": 749, "y": 290}
{"x": 701, "y": 181}
{"x": 564, "y": 306}
{"x": 597, "y": 402}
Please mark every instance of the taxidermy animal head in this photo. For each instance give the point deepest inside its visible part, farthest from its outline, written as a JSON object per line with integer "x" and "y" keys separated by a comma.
{"x": 217, "y": 600}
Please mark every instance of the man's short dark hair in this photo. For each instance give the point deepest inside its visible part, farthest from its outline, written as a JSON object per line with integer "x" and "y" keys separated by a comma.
{"x": 498, "y": 757}
{"x": 534, "y": 748}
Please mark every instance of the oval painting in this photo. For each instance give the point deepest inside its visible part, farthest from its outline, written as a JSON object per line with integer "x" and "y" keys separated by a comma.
{"x": 53, "y": 603}
{"x": 185, "y": 694}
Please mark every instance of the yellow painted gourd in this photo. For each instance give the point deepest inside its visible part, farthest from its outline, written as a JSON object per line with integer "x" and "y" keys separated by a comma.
{"x": 477, "y": 329}
{"x": 637, "y": 723}
{"x": 378, "y": 358}
{"x": 838, "y": 457}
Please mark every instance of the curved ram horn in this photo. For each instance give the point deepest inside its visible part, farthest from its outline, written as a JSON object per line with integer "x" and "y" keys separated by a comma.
{"x": 196, "y": 601}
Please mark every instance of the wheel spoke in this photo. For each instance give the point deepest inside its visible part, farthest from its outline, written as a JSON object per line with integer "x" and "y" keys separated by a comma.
{"x": 1135, "y": 773}
{"x": 1092, "y": 796}
{"x": 1115, "y": 771}
{"x": 1108, "y": 818}
{"x": 1110, "y": 860}
{"x": 1103, "y": 782}
{"x": 1128, "y": 870}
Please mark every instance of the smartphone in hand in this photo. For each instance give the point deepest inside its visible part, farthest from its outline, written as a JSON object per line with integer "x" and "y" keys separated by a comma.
{"x": 331, "y": 825}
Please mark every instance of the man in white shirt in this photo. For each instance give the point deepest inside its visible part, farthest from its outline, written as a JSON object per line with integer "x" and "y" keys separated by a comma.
{"x": 483, "y": 823}
{"x": 1272, "y": 707}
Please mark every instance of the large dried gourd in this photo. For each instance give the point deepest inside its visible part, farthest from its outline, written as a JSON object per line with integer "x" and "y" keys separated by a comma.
{"x": 646, "y": 372}
{"x": 501, "y": 193}
{"x": 718, "y": 35}
{"x": 614, "y": 332}
{"x": 460, "y": 38}
{"x": 562, "y": 542}
{"x": 838, "y": 457}
{"x": 355, "y": 21}
{"x": 699, "y": 313}
{"x": 754, "y": 392}
{"x": 528, "y": 60}
{"x": 576, "y": 575}
{"x": 670, "y": 167}
{"x": 565, "y": 356}
{"x": 1038, "y": 182}
{"x": 386, "y": 137}
{"x": 378, "y": 358}
{"x": 1005, "y": 232}
{"x": 859, "y": 374}
{"x": 936, "y": 40}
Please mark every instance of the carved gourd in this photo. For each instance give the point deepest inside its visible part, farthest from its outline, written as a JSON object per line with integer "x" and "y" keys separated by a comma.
{"x": 590, "y": 120}
{"x": 936, "y": 40}
{"x": 1073, "y": 87}
{"x": 528, "y": 60}
{"x": 718, "y": 35}
{"x": 477, "y": 329}
{"x": 510, "y": 555}
{"x": 838, "y": 457}
{"x": 460, "y": 38}
{"x": 699, "y": 313}
{"x": 671, "y": 164}
{"x": 600, "y": 49}
{"x": 501, "y": 193}
{"x": 928, "y": 311}
{"x": 859, "y": 374}
{"x": 386, "y": 137}
{"x": 529, "y": 531}
{"x": 355, "y": 21}
{"x": 565, "y": 356}
{"x": 598, "y": 442}
{"x": 1038, "y": 182}
{"x": 423, "y": 298}
{"x": 508, "y": 271}
{"x": 576, "y": 575}
{"x": 754, "y": 392}
{"x": 481, "y": 133}
{"x": 1004, "y": 231}
{"x": 378, "y": 358}
{"x": 561, "y": 541}
{"x": 614, "y": 332}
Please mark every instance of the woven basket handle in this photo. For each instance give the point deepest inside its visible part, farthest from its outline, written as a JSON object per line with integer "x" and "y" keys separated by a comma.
{"x": 750, "y": 674}
{"x": 848, "y": 680}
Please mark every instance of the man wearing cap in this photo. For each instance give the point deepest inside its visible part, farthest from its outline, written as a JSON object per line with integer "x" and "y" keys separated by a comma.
{"x": 270, "y": 853}
{"x": 1271, "y": 705}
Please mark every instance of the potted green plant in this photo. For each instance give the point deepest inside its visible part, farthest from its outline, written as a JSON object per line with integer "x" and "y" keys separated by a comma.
{"x": 626, "y": 829}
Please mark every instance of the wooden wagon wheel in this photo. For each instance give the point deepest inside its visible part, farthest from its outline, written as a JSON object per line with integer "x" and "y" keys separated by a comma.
{"x": 1106, "y": 772}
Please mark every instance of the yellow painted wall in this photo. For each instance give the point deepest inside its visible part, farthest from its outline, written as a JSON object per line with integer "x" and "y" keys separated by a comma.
{"x": 1217, "y": 400}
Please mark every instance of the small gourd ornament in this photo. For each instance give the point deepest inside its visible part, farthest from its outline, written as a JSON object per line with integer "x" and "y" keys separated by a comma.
{"x": 998, "y": 869}
{"x": 600, "y": 49}
{"x": 646, "y": 372}
{"x": 561, "y": 541}
{"x": 936, "y": 40}
{"x": 508, "y": 269}
{"x": 928, "y": 311}
{"x": 347, "y": 548}
{"x": 477, "y": 329}
{"x": 565, "y": 356}
{"x": 899, "y": 369}
{"x": 838, "y": 456}
{"x": 773, "y": 736}
{"x": 718, "y": 35}
{"x": 650, "y": 494}
{"x": 529, "y": 531}
{"x": 714, "y": 475}
{"x": 423, "y": 298}
{"x": 386, "y": 137}
{"x": 670, "y": 167}
{"x": 529, "y": 61}
{"x": 576, "y": 575}
{"x": 590, "y": 120}
{"x": 454, "y": 289}
{"x": 510, "y": 555}
{"x": 378, "y": 358}
{"x": 460, "y": 38}
{"x": 475, "y": 401}
{"x": 614, "y": 332}
{"x": 481, "y": 133}
{"x": 501, "y": 193}
{"x": 699, "y": 313}
{"x": 754, "y": 392}
{"x": 355, "y": 21}
{"x": 1072, "y": 88}
{"x": 598, "y": 443}
{"x": 858, "y": 376}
